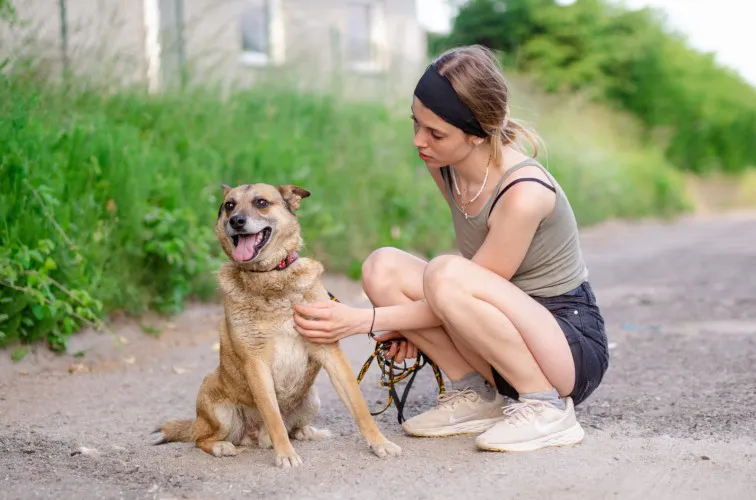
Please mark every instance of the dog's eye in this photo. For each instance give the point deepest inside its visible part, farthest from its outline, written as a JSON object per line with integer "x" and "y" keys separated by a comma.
{"x": 261, "y": 203}
{"x": 230, "y": 205}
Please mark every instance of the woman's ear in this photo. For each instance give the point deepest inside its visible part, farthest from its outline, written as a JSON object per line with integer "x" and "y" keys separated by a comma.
{"x": 476, "y": 141}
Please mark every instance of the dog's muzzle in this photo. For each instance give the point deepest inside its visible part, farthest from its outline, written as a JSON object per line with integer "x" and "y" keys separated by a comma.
{"x": 241, "y": 224}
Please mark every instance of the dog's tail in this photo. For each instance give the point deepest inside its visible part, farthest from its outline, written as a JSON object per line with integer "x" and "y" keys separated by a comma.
{"x": 174, "y": 431}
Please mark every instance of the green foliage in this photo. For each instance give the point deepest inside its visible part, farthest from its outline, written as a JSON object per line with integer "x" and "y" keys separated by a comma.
{"x": 598, "y": 157}
{"x": 114, "y": 196}
{"x": 179, "y": 255}
{"x": 108, "y": 200}
{"x": 7, "y": 12}
{"x": 19, "y": 353}
{"x": 34, "y": 304}
{"x": 704, "y": 114}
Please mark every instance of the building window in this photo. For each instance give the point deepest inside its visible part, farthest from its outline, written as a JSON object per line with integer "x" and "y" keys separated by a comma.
{"x": 365, "y": 35}
{"x": 255, "y": 31}
{"x": 359, "y": 27}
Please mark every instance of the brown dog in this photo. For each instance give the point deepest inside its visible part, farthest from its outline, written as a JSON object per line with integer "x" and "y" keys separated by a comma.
{"x": 263, "y": 387}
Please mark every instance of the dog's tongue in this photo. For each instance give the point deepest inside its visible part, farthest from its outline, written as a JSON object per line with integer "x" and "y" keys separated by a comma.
{"x": 246, "y": 247}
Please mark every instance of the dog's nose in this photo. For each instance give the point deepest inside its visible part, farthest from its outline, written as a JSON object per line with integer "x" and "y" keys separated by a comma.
{"x": 237, "y": 221}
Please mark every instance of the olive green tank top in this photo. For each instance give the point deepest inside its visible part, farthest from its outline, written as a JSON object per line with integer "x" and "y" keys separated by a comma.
{"x": 553, "y": 264}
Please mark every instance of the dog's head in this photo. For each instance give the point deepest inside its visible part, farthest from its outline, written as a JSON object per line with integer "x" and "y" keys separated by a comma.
{"x": 257, "y": 226}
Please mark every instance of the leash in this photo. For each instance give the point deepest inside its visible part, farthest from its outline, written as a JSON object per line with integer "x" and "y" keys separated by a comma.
{"x": 392, "y": 373}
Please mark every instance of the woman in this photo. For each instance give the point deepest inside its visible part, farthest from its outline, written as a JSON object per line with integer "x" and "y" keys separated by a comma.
{"x": 514, "y": 315}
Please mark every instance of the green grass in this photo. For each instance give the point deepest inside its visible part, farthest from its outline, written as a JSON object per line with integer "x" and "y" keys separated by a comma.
{"x": 107, "y": 201}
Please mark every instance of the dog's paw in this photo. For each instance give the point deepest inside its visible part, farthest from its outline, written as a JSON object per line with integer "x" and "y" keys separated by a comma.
{"x": 224, "y": 449}
{"x": 247, "y": 441}
{"x": 264, "y": 441}
{"x": 288, "y": 459}
{"x": 310, "y": 433}
{"x": 386, "y": 449}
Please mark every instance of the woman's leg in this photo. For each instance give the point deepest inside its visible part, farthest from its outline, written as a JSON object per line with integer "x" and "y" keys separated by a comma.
{"x": 392, "y": 277}
{"x": 515, "y": 334}
{"x": 518, "y": 337}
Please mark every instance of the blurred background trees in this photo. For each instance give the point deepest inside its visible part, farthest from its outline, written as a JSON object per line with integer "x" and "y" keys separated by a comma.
{"x": 626, "y": 58}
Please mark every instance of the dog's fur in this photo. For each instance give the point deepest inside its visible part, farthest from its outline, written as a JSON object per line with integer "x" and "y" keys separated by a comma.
{"x": 263, "y": 387}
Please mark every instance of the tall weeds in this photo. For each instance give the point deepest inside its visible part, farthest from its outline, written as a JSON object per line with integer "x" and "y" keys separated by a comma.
{"x": 107, "y": 200}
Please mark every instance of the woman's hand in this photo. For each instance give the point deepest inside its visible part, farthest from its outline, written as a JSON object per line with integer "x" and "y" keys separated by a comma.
{"x": 400, "y": 349}
{"x": 328, "y": 322}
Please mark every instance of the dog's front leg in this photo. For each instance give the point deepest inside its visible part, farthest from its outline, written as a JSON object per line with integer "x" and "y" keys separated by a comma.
{"x": 344, "y": 382}
{"x": 260, "y": 382}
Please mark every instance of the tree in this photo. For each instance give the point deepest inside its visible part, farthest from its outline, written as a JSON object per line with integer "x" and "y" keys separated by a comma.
{"x": 628, "y": 58}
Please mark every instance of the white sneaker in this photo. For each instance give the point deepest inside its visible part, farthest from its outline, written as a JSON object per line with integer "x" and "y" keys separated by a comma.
{"x": 457, "y": 412}
{"x": 532, "y": 424}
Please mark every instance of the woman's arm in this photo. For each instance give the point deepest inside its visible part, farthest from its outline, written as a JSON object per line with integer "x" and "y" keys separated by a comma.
{"x": 412, "y": 316}
{"x": 332, "y": 321}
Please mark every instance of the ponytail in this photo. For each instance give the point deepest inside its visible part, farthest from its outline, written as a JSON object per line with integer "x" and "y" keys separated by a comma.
{"x": 513, "y": 130}
{"x": 509, "y": 133}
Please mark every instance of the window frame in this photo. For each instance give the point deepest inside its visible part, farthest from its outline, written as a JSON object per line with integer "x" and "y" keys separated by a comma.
{"x": 377, "y": 37}
{"x": 275, "y": 32}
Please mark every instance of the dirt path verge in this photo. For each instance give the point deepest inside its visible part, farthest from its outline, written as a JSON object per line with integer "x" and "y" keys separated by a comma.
{"x": 675, "y": 417}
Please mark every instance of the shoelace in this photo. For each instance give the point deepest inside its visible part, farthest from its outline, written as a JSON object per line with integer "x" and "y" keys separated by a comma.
{"x": 452, "y": 398}
{"x": 521, "y": 413}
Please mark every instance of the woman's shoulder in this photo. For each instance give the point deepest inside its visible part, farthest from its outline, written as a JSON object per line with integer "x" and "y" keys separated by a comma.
{"x": 527, "y": 189}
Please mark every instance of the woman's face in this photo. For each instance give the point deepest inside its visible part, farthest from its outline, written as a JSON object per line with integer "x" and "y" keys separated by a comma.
{"x": 438, "y": 142}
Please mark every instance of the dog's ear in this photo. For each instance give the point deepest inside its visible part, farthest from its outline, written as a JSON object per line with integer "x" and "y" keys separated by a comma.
{"x": 293, "y": 195}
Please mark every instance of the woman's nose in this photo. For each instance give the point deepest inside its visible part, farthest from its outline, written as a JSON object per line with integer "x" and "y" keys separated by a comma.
{"x": 420, "y": 141}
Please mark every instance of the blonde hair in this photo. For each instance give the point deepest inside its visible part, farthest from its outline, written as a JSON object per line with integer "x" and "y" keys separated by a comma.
{"x": 477, "y": 78}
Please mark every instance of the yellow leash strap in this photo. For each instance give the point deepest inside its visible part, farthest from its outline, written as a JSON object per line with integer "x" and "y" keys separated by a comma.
{"x": 391, "y": 374}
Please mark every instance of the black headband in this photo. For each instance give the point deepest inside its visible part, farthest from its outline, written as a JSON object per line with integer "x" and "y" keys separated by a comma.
{"x": 438, "y": 95}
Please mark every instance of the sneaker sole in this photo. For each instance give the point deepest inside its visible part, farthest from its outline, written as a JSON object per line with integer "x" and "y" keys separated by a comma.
{"x": 571, "y": 436}
{"x": 471, "y": 427}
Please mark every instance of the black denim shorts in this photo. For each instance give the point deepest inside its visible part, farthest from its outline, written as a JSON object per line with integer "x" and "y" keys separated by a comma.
{"x": 582, "y": 323}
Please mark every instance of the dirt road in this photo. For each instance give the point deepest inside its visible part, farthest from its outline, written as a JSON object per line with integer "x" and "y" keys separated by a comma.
{"x": 675, "y": 417}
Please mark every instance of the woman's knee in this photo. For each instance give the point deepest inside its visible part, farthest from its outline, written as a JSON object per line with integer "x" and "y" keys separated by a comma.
{"x": 443, "y": 281}
{"x": 379, "y": 271}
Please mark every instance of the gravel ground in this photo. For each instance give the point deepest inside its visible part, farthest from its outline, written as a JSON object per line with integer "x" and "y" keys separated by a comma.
{"x": 674, "y": 418}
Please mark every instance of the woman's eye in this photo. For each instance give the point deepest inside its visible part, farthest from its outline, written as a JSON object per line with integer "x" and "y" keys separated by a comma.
{"x": 261, "y": 203}
{"x": 230, "y": 205}
{"x": 438, "y": 138}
